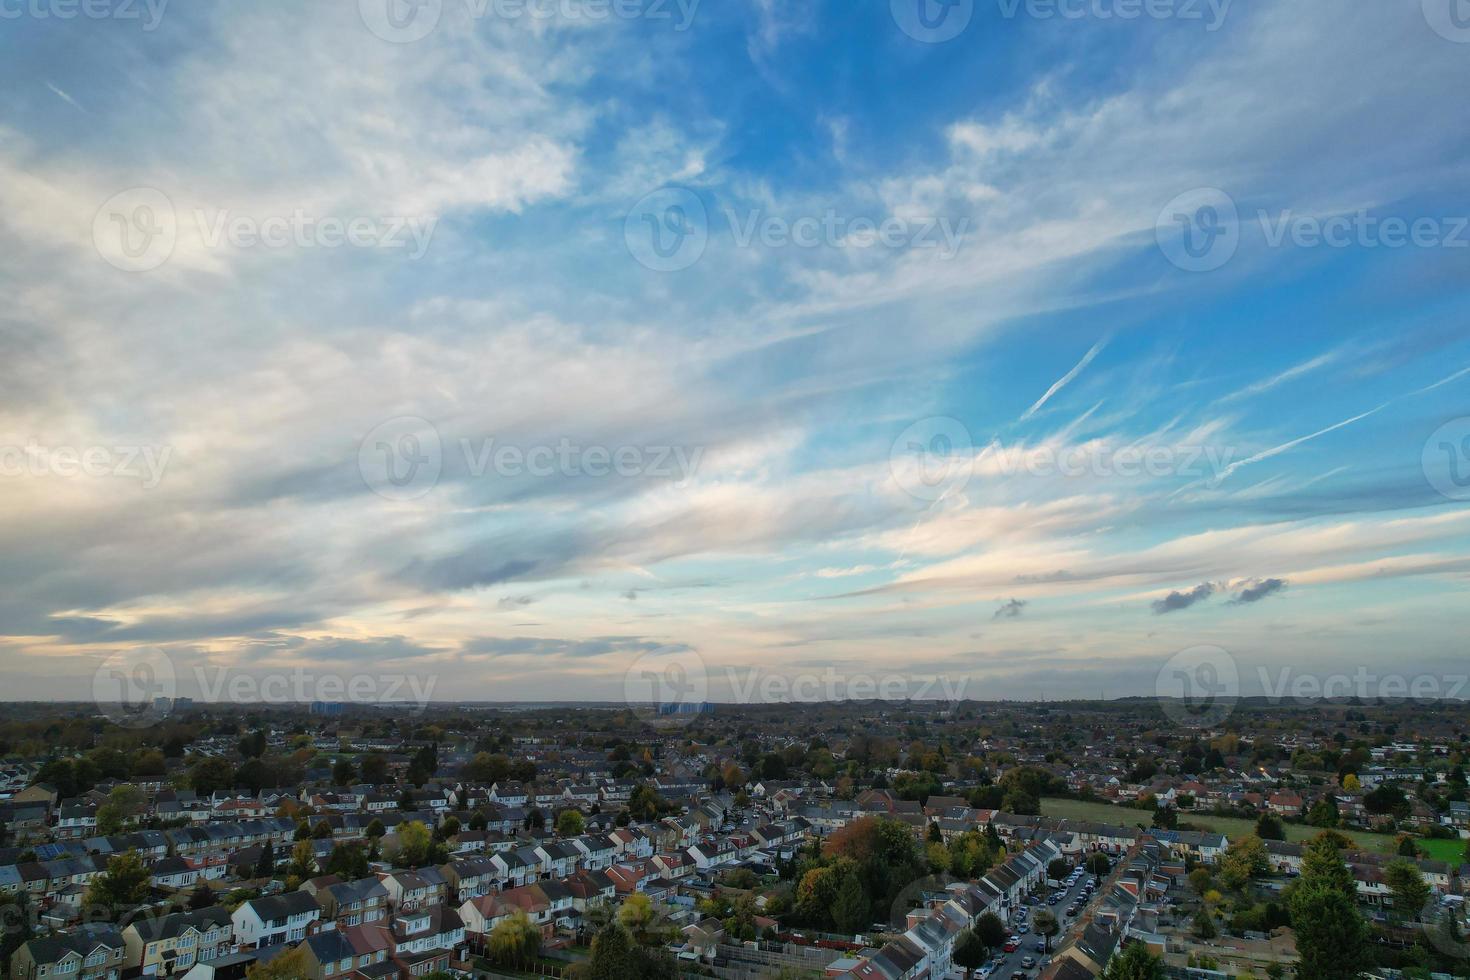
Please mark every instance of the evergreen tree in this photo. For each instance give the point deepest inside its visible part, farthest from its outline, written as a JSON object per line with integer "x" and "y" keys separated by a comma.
{"x": 850, "y": 910}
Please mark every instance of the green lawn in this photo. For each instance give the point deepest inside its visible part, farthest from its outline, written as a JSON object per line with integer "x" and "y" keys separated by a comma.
{"x": 1231, "y": 827}
{"x": 1452, "y": 851}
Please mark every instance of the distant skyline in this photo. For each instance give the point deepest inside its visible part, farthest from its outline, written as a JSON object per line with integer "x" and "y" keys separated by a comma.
{"x": 765, "y": 339}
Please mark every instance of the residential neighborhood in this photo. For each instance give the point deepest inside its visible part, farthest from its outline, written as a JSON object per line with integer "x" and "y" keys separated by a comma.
{"x": 867, "y": 840}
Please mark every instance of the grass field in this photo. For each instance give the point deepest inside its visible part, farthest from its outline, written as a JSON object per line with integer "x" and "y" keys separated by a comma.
{"x": 1452, "y": 851}
{"x": 1231, "y": 827}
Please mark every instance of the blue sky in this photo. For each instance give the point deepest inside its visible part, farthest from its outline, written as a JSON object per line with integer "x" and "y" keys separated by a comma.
{"x": 921, "y": 378}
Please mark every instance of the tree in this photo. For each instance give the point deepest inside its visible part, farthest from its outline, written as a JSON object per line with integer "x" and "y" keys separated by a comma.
{"x": 991, "y": 930}
{"x": 1322, "y": 864}
{"x": 486, "y": 769}
{"x": 200, "y": 898}
{"x": 1046, "y": 924}
{"x": 1351, "y": 782}
{"x": 850, "y": 911}
{"x": 1019, "y": 801}
{"x": 343, "y": 772}
{"x": 1058, "y": 868}
{"x": 514, "y": 939}
{"x": 322, "y": 830}
{"x": 636, "y": 915}
{"x": 970, "y": 952}
{"x": 1133, "y": 962}
{"x": 645, "y": 804}
{"x": 252, "y": 746}
{"x": 1097, "y": 864}
{"x": 348, "y": 862}
{"x": 265, "y": 865}
{"x": 123, "y": 887}
{"x": 374, "y": 768}
{"x": 15, "y": 924}
{"x": 288, "y": 966}
{"x": 1269, "y": 827}
{"x": 1204, "y": 925}
{"x": 1324, "y": 813}
{"x": 1408, "y": 887}
{"x": 123, "y": 803}
{"x": 210, "y": 774}
{"x": 1331, "y": 936}
{"x": 1407, "y": 848}
{"x": 1387, "y": 799}
{"x": 613, "y": 956}
{"x": 1244, "y": 859}
{"x": 375, "y": 829}
{"x": 414, "y": 842}
{"x": 303, "y": 859}
{"x": 569, "y": 823}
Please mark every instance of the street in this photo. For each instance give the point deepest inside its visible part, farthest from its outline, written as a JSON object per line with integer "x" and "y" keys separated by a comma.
{"x": 1012, "y": 962}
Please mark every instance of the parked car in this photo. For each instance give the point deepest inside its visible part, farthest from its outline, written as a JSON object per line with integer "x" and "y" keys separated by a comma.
{"x": 1028, "y": 961}
{"x": 1012, "y": 944}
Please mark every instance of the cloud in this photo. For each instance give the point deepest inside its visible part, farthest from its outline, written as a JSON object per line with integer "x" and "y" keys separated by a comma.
{"x": 1258, "y": 591}
{"x": 496, "y": 647}
{"x": 1010, "y": 610}
{"x": 1175, "y": 601}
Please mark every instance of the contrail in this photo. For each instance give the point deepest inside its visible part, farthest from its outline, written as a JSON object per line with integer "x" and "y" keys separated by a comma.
{"x": 1066, "y": 379}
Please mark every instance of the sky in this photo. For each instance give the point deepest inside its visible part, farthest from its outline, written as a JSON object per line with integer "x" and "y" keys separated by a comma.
{"x": 509, "y": 348}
